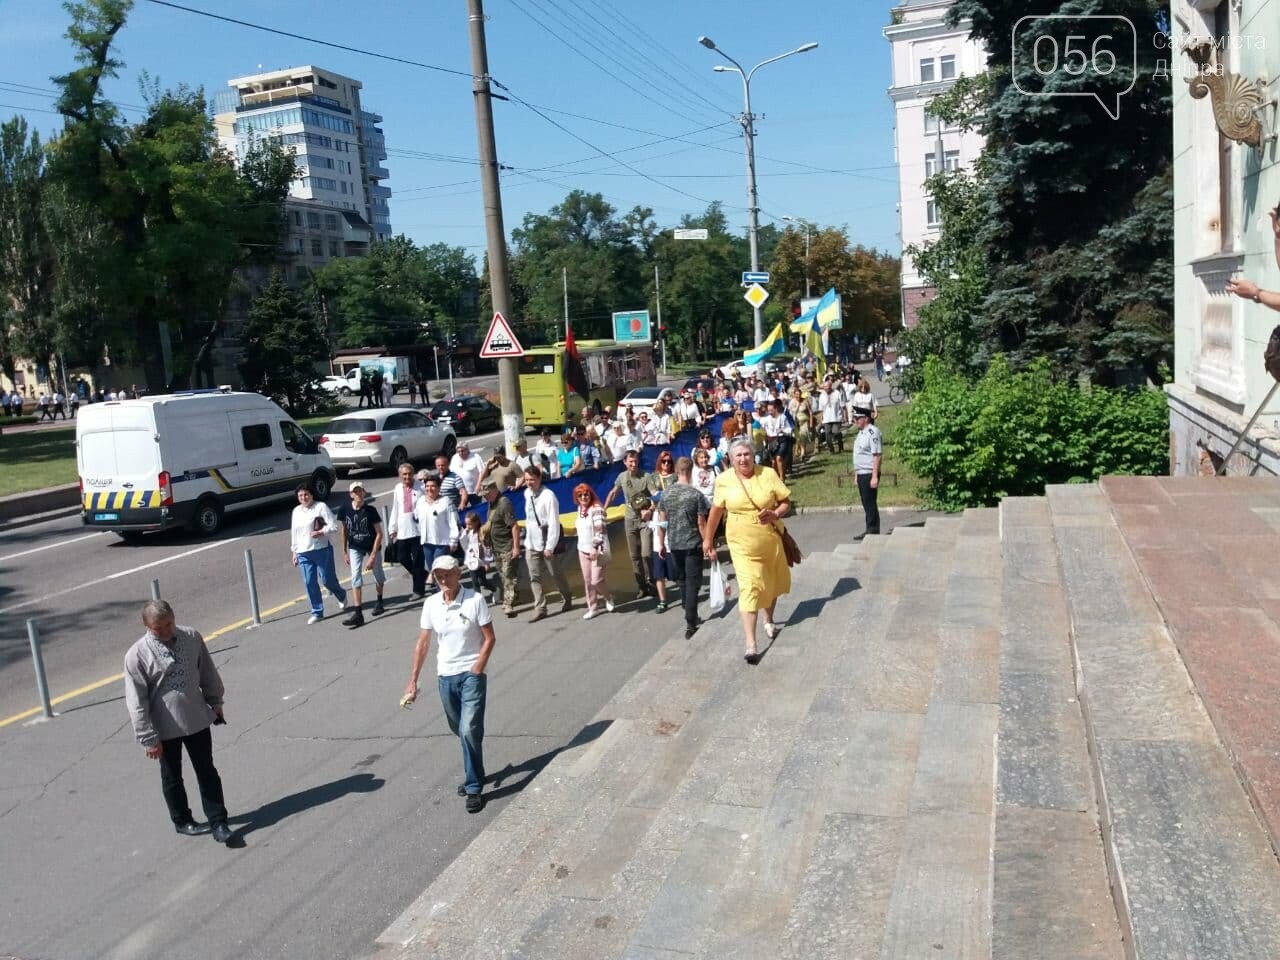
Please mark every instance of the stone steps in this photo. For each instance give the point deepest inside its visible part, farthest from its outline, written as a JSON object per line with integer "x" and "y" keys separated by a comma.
{"x": 1192, "y": 873}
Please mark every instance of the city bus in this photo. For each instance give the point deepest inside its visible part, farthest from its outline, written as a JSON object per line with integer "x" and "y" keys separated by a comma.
{"x": 612, "y": 369}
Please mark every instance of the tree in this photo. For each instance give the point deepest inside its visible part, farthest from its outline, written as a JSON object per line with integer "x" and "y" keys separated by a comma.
{"x": 283, "y": 342}
{"x": 1077, "y": 218}
{"x": 177, "y": 215}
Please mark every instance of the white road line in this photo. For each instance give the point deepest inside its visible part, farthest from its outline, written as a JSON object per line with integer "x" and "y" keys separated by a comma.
{"x": 122, "y": 573}
{"x": 50, "y": 546}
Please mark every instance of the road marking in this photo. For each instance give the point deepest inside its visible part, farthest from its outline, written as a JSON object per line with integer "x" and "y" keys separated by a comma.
{"x": 124, "y": 573}
{"x": 50, "y": 546}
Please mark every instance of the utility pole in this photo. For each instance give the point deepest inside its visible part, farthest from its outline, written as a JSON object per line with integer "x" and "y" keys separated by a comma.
{"x": 657, "y": 288}
{"x": 496, "y": 235}
{"x": 564, "y": 279}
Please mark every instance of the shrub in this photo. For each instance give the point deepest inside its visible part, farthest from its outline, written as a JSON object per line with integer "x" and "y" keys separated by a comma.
{"x": 1010, "y": 434}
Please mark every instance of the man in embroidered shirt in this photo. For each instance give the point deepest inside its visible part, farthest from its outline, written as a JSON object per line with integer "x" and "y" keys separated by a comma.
{"x": 460, "y": 620}
{"x": 403, "y": 529}
{"x": 173, "y": 693}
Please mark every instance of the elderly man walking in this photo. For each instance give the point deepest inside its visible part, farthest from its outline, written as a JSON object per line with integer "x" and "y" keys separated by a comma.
{"x": 174, "y": 693}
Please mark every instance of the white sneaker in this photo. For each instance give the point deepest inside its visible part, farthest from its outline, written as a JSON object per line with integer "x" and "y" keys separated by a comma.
{"x": 608, "y": 605}
{"x": 314, "y": 618}
{"x": 589, "y": 614}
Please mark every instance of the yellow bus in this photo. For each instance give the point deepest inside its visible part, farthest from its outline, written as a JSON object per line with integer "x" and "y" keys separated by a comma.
{"x": 612, "y": 370}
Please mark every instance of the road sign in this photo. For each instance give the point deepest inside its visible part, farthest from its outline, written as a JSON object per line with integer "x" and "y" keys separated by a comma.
{"x": 699, "y": 233}
{"x": 632, "y": 326}
{"x": 755, "y": 276}
{"x": 501, "y": 341}
{"x": 756, "y": 295}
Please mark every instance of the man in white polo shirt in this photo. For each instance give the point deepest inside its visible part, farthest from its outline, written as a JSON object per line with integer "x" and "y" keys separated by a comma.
{"x": 459, "y": 618}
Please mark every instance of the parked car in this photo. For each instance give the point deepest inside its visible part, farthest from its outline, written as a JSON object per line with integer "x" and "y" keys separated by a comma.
{"x": 468, "y": 415}
{"x": 707, "y": 385}
{"x": 643, "y": 398}
{"x": 335, "y": 386}
{"x": 386, "y": 436}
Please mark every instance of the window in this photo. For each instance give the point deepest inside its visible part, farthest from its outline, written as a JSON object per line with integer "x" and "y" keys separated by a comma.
{"x": 397, "y": 421}
{"x": 320, "y": 183}
{"x": 328, "y": 163}
{"x": 333, "y": 248}
{"x": 927, "y": 70}
{"x": 331, "y": 221}
{"x": 317, "y": 248}
{"x": 298, "y": 246}
{"x": 313, "y": 220}
{"x": 930, "y": 123}
{"x": 950, "y": 162}
{"x": 933, "y": 214}
{"x": 295, "y": 440}
{"x": 256, "y": 436}
{"x": 947, "y": 66}
{"x": 297, "y": 218}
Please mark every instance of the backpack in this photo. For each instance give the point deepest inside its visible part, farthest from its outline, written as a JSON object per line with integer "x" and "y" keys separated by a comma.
{"x": 1272, "y": 355}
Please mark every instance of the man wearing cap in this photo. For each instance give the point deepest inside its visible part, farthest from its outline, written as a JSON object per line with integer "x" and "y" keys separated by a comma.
{"x": 362, "y": 546}
{"x": 867, "y": 450}
{"x": 460, "y": 620}
{"x": 504, "y": 535}
{"x": 687, "y": 411}
{"x": 500, "y": 470}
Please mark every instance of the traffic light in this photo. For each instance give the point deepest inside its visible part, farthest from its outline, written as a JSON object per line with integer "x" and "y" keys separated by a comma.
{"x": 451, "y": 340}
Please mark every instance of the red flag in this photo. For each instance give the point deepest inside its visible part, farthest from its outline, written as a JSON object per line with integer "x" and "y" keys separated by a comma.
{"x": 574, "y": 374}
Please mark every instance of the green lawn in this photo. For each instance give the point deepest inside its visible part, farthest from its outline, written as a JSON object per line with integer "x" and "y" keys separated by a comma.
{"x": 37, "y": 458}
{"x": 827, "y": 479}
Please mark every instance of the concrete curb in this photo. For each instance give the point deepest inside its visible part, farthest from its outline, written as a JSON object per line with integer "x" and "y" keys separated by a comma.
{"x": 22, "y": 506}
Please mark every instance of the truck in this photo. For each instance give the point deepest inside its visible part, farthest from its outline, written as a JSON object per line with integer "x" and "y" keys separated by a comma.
{"x": 394, "y": 368}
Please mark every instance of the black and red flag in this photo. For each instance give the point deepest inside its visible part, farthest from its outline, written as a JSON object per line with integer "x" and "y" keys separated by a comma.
{"x": 575, "y": 375}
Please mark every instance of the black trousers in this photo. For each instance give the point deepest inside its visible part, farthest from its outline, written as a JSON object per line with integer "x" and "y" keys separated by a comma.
{"x": 829, "y": 436}
{"x": 688, "y": 564}
{"x": 200, "y": 750}
{"x": 869, "y": 508}
{"x": 409, "y": 554}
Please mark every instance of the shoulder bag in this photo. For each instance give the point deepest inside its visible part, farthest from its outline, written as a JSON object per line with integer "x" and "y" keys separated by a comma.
{"x": 790, "y": 549}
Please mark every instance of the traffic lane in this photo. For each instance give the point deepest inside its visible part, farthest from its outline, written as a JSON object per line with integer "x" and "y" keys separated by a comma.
{"x": 320, "y": 766}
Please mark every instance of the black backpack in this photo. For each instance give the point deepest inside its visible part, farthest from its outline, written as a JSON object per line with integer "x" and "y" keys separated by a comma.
{"x": 1272, "y": 355}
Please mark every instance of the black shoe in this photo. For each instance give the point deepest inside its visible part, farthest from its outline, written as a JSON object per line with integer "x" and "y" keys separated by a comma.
{"x": 378, "y": 608}
{"x": 751, "y": 658}
{"x": 355, "y": 620}
{"x": 475, "y": 803}
{"x": 221, "y": 832}
{"x": 689, "y": 631}
{"x": 462, "y": 789}
{"x": 662, "y": 606}
{"x": 645, "y": 591}
{"x": 191, "y": 828}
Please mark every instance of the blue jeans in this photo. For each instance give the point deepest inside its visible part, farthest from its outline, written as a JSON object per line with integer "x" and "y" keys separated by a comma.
{"x": 316, "y": 567}
{"x": 429, "y": 553}
{"x": 463, "y": 696}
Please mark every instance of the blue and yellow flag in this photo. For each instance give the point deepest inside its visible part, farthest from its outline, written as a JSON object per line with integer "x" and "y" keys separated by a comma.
{"x": 813, "y": 343}
{"x": 772, "y": 345}
{"x": 821, "y": 315}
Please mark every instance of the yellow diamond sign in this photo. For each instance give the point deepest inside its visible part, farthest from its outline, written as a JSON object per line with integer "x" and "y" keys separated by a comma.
{"x": 756, "y": 295}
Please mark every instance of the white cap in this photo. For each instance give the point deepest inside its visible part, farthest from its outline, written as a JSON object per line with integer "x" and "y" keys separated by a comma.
{"x": 444, "y": 562}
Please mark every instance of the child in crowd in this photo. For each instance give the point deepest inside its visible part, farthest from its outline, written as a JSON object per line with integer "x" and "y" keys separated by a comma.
{"x": 477, "y": 555}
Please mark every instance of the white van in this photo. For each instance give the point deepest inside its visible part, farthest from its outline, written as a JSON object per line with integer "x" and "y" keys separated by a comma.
{"x": 184, "y": 459}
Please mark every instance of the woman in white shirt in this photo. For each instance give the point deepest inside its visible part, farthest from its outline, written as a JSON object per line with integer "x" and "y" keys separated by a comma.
{"x": 704, "y": 472}
{"x": 862, "y": 399}
{"x": 593, "y": 548}
{"x": 437, "y": 522}
{"x": 544, "y": 454}
{"x": 310, "y": 526}
{"x": 660, "y": 429}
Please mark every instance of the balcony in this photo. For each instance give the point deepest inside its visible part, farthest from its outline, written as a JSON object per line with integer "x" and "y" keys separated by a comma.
{"x": 269, "y": 98}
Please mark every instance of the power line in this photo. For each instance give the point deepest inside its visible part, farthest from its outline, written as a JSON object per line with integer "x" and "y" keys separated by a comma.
{"x": 323, "y": 43}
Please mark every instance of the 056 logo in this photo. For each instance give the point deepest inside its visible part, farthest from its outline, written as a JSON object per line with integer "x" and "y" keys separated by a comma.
{"x": 1060, "y": 55}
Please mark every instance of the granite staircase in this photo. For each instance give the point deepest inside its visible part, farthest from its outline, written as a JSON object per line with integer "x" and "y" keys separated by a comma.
{"x": 973, "y": 739}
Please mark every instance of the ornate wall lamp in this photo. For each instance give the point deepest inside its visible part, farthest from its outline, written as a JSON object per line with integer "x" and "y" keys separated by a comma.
{"x": 1243, "y": 110}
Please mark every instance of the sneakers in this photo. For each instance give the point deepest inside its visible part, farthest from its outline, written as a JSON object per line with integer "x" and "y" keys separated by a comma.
{"x": 315, "y": 618}
{"x": 355, "y": 620}
{"x": 538, "y": 615}
{"x": 509, "y": 611}
{"x": 378, "y": 608}
{"x": 608, "y": 604}
{"x": 590, "y": 614}
{"x": 662, "y": 606}
{"x": 475, "y": 802}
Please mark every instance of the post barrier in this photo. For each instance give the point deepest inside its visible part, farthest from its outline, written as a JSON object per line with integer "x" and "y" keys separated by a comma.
{"x": 254, "y": 609}
{"x": 37, "y": 661}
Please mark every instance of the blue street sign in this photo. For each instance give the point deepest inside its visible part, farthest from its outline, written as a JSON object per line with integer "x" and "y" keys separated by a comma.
{"x": 755, "y": 276}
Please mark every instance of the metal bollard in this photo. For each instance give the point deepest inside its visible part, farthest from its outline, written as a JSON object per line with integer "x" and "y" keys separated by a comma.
{"x": 253, "y": 589}
{"x": 37, "y": 660}
{"x": 155, "y": 589}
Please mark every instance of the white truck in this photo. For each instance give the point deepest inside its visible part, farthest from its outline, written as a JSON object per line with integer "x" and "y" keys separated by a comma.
{"x": 394, "y": 368}
{"x": 185, "y": 459}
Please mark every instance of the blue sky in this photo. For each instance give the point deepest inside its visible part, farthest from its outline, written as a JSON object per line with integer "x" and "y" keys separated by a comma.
{"x": 826, "y": 108}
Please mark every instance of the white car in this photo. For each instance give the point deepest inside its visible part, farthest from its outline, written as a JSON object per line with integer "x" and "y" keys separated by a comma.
{"x": 386, "y": 437}
{"x": 335, "y": 386}
{"x": 644, "y": 398}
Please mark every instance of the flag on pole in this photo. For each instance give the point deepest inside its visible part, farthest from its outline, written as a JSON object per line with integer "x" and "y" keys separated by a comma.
{"x": 772, "y": 345}
{"x": 574, "y": 373}
{"x": 822, "y": 314}
{"x": 813, "y": 342}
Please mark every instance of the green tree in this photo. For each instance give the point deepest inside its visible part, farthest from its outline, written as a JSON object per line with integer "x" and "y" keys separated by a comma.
{"x": 284, "y": 341}
{"x": 178, "y": 216}
{"x": 1077, "y": 221}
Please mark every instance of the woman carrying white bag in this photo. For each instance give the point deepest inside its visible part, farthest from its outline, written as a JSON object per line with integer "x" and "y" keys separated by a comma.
{"x": 721, "y": 588}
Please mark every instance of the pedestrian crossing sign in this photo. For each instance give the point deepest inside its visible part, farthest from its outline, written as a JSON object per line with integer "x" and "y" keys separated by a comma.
{"x": 501, "y": 340}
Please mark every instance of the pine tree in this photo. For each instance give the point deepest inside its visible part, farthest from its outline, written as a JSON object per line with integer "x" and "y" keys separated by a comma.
{"x": 283, "y": 343}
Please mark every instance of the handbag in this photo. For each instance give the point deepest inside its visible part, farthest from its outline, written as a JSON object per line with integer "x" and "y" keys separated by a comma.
{"x": 790, "y": 549}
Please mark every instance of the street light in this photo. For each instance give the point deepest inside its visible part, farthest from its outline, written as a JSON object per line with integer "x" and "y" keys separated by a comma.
{"x": 805, "y": 223}
{"x": 748, "y": 125}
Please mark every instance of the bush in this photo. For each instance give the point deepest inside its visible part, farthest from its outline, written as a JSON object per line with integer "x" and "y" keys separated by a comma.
{"x": 1010, "y": 434}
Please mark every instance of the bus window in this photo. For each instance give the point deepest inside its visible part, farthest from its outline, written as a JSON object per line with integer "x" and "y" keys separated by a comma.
{"x": 535, "y": 363}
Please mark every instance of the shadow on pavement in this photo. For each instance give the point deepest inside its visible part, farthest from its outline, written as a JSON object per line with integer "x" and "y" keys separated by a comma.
{"x": 535, "y": 765}
{"x": 811, "y": 609}
{"x": 269, "y": 814}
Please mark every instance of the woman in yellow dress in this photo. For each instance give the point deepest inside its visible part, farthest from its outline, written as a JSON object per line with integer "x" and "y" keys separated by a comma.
{"x": 755, "y": 501}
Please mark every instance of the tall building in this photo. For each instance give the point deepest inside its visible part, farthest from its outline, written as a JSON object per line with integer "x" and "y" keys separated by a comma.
{"x": 318, "y": 113}
{"x": 1224, "y": 58}
{"x": 926, "y": 56}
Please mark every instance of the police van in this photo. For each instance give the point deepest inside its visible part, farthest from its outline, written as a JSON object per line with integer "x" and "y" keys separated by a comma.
{"x": 186, "y": 459}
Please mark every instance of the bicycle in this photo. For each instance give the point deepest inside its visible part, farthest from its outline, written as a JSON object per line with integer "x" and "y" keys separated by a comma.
{"x": 898, "y": 392}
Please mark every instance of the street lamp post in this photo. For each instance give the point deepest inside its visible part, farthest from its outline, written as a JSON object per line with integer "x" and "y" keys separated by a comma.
{"x": 748, "y": 127}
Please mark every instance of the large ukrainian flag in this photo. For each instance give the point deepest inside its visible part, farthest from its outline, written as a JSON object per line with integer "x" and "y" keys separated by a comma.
{"x": 822, "y": 314}
{"x": 771, "y": 346}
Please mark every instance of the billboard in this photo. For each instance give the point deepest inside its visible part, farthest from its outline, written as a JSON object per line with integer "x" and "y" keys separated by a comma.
{"x": 632, "y": 326}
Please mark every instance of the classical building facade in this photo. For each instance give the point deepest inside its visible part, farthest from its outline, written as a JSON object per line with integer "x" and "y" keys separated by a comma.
{"x": 926, "y": 57}
{"x": 1224, "y": 58}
